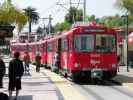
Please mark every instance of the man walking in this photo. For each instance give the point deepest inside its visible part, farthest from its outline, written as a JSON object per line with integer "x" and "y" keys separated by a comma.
{"x": 16, "y": 71}
{"x": 2, "y": 72}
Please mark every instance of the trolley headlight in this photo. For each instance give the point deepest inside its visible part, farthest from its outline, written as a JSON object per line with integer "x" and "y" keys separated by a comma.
{"x": 77, "y": 64}
{"x": 113, "y": 65}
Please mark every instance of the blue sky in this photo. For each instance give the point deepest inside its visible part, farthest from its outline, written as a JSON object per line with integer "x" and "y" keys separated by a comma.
{"x": 45, "y": 7}
{"x": 98, "y": 8}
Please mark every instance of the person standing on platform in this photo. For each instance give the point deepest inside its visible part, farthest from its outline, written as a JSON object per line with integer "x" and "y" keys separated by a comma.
{"x": 2, "y": 72}
{"x": 38, "y": 62}
{"x": 118, "y": 60}
{"x": 55, "y": 67}
{"x": 26, "y": 61}
{"x": 16, "y": 71}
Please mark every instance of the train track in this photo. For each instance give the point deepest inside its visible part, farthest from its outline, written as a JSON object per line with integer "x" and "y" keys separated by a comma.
{"x": 91, "y": 91}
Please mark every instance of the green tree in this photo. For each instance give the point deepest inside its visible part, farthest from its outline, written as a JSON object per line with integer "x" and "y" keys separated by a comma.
{"x": 74, "y": 15}
{"x": 117, "y": 21}
{"x": 61, "y": 26}
{"x": 112, "y": 21}
{"x": 91, "y": 18}
{"x": 39, "y": 30}
{"x": 125, "y": 5}
{"x": 9, "y": 14}
{"x": 32, "y": 15}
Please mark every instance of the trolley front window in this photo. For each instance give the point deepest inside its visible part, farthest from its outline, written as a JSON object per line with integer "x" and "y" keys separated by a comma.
{"x": 105, "y": 43}
{"x": 84, "y": 43}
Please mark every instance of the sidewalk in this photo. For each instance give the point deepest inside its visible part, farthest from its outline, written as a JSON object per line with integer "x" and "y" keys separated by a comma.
{"x": 124, "y": 77}
{"x": 35, "y": 86}
{"x": 45, "y": 85}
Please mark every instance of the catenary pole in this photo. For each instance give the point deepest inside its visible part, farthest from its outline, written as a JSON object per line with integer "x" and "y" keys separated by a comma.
{"x": 84, "y": 13}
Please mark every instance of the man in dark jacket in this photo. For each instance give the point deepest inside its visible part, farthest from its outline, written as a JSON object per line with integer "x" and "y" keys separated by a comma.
{"x": 2, "y": 72}
{"x": 3, "y": 96}
{"x": 16, "y": 71}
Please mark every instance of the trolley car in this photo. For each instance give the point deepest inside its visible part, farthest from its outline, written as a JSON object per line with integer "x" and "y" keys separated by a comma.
{"x": 85, "y": 50}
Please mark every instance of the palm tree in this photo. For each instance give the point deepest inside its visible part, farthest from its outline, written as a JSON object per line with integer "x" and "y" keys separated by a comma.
{"x": 12, "y": 15}
{"x": 32, "y": 15}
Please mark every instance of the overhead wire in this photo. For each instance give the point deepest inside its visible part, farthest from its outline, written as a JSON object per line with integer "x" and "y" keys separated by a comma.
{"x": 78, "y": 4}
{"x": 55, "y": 12}
{"x": 51, "y": 7}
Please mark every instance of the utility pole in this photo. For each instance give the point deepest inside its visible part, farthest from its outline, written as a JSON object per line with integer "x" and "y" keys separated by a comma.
{"x": 126, "y": 38}
{"x": 84, "y": 12}
{"x": 49, "y": 24}
{"x": 127, "y": 41}
{"x": 68, "y": 9}
{"x": 70, "y": 3}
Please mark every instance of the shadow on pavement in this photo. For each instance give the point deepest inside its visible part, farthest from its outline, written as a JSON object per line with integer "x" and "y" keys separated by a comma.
{"x": 27, "y": 74}
{"x": 124, "y": 79}
{"x": 98, "y": 82}
{"x": 25, "y": 97}
{"x": 36, "y": 83}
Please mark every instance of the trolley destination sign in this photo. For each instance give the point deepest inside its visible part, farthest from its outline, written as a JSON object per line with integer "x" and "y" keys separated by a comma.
{"x": 94, "y": 30}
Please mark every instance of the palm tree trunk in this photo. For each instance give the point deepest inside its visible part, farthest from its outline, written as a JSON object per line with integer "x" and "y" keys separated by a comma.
{"x": 29, "y": 26}
{"x": 29, "y": 30}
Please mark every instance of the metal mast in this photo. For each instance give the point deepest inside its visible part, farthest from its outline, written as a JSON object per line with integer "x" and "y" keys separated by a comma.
{"x": 84, "y": 12}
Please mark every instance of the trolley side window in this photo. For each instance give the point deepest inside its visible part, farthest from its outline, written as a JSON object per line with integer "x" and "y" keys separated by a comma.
{"x": 50, "y": 47}
{"x": 41, "y": 47}
{"x": 45, "y": 47}
{"x": 64, "y": 44}
{"x": 37, "y": 49}
{"x": 30, "y": 48}
{"x": 105, "y": 43}
{"x": 84, "y": 43}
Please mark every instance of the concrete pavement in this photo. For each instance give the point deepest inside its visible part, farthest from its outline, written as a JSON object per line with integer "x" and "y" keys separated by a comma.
{"x": 35, "y": 86}
{"x": 124, "y": 77}
{"x": 45, "y": 86}
{"x": 66, "y": 87}
{"x": 50, "y": 86}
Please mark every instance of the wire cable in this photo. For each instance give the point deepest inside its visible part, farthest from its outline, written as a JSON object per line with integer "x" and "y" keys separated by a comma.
{"x": 49, "y": 8}
{"x": 78, "y": 4}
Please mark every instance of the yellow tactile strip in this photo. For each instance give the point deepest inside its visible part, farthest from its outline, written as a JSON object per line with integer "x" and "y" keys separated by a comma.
{"x": 65, "y": 87}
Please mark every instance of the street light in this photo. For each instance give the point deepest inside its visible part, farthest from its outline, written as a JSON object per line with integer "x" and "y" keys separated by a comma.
{"x": 126, "y": 37}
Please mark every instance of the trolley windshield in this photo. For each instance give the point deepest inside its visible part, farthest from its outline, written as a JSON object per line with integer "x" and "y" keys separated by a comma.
{"x": 84, "y": 43}
{"x": 105, "y": 43}
{"x": 98, "y": 43}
